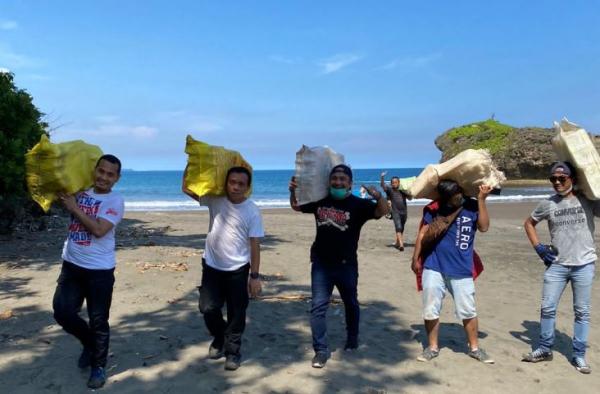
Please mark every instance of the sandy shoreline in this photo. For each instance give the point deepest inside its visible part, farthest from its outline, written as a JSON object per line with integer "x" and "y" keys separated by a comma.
{"x": 159, "y": 342}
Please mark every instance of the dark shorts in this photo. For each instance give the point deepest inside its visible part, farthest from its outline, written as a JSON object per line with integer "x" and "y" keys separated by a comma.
{"x": 399, "y": 219}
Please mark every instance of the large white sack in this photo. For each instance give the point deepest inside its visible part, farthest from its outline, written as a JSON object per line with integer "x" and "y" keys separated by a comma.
{"x": 572, "y": 143}
{"x": 312, "y": 172}
{"x": 470, "y": 169}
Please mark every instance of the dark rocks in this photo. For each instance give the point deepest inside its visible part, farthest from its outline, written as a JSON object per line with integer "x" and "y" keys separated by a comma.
{"x": 521, "y": 153}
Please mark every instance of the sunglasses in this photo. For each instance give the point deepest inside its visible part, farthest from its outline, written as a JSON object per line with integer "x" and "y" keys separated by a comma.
{"x": 561, "y": 179}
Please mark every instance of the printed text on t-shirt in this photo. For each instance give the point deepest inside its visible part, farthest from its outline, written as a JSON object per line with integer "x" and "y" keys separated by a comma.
{"x": 464, "y": 232}
{"x": 329, "y": 216}
{"x": 77, "y": 232}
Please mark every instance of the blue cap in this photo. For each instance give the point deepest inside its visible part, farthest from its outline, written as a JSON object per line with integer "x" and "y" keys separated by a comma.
{"x": 561, "y": 167}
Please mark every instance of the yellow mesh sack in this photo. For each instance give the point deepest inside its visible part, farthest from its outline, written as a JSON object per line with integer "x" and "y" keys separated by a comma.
{"x": 66, "y": 167}
{"x": 208, "y": 165}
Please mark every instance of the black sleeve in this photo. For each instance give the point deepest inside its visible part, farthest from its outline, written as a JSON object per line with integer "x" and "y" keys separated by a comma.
{"x": 311, "y": 207}
{"x": 367, "y": 209}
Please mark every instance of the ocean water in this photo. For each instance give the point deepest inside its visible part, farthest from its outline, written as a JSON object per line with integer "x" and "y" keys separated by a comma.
{"x": 161, "y": 190}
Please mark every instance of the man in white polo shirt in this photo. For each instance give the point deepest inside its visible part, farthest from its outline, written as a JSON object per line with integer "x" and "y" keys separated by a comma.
{"x": 230, "y": 266}
{"x": 88, "y": 266}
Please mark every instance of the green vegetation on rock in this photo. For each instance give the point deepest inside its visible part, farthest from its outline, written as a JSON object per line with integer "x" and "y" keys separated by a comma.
{"x": 489, "y": 134}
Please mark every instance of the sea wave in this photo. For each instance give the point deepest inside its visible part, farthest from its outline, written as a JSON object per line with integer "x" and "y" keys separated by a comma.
{"x": 162, "y": 205}
{"x": 189, "y": 205}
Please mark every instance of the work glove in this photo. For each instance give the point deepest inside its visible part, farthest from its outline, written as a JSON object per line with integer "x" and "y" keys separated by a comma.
{"x": 547, "y": 253}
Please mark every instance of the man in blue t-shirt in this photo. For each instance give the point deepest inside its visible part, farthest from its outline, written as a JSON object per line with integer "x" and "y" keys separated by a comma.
{"x": 339, "y": 218}
{"x": 448, "y": 265}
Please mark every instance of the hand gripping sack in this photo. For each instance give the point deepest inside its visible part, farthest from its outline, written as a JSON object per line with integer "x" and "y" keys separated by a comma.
{"x": 572, "y": 143}
{"x": 66, "y": 167}
{"x": 208, "y": 165}
{"x": 312, "y": 172}
{"x": 470, "y": 169}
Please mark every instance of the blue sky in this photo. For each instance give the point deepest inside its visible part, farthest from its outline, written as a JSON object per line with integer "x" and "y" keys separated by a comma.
{"x": 376, "y": 81}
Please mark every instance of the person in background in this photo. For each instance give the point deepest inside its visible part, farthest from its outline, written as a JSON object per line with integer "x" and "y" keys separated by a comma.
{"x": 88, "y": 267}
{"x": 339, "y": 218}
{"x": 230, "y": 265}
{"x": 397, "y": 198}
{"x": 570, "y": 257}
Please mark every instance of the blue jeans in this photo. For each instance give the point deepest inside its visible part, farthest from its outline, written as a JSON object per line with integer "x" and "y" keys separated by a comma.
{"x": 324, "y": 277}
{"x": 556, "y": 278}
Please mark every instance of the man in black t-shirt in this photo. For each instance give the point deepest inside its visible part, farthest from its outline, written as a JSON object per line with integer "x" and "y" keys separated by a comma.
{"x": 399, "y": 212}
{"x": 339, "y": 218}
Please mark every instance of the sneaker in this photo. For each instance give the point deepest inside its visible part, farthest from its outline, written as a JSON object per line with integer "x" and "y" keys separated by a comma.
{"x": 481, "y": 355}
{"x": 401, "y": 248}
{"x": 215, "y": 351}
{"x": 581, "y": 365}
{"x": 351, "y": 343}
{"x": 538, "y": 355}
{"x": 85, "y": 359}
{"x": 320, "y": 359}
{"x": 428, "y": 355}
{"x": 232, "y": 362}
{"x": 97, "y": 378}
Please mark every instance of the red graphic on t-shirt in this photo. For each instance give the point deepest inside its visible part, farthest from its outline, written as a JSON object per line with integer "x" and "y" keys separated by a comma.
{"x": 113, "y": 212}
{"x": 77, "y": 232}
{"x": 329, "y": 216}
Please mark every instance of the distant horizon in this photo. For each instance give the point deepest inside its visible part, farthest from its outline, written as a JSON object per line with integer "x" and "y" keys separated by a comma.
{"x": 265, "y": 78}
{"x": 383, "y": 168}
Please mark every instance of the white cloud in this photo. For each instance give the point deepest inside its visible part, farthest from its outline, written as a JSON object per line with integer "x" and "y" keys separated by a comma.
{"x": 108, "y": 131}
{"x": 14, "y": 60}
{"x": 117, "y": 130}
{"x": 4, "y": 70}
{"x": 337, "y": 62}
{"x": 8, "y": 25}
{"x": 189, "y": 122}
{"x": 411, "y": 62}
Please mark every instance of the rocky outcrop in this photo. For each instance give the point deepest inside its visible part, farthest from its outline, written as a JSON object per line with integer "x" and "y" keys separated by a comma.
{"x": 522, "y": 153}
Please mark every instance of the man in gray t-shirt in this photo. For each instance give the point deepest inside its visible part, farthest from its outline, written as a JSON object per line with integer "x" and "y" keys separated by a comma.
{"x": 570, "y": 257}
{"x": 397, "y": 199}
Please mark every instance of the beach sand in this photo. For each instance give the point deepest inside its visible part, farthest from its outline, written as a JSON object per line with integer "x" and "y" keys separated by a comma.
{"x": 159, "y": 342}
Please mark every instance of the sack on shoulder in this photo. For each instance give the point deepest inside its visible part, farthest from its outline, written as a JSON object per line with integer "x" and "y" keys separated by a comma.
{"x": 436, "y": 230}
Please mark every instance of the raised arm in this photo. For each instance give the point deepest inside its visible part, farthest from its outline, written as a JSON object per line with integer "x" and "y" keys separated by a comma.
{"x": 292, "y": 188}
{"x": 483, "y": 222}
{"x": 97, "y": 226}
{"x": 184, "y": 187}
{"x": 382, "y": 180}
{"x": 383, "y": 207}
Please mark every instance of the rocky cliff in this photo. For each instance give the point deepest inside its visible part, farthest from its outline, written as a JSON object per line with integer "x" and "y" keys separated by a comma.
{"x": 522, "y": 153}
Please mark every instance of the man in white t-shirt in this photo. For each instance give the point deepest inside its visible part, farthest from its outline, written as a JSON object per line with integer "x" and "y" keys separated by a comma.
{"x": 88, "y": 266}
{"x": 230, "y": 265}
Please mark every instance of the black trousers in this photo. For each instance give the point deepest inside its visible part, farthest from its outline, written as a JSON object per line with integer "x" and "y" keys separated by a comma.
{"x": 76, "y": 284}
{"x": 220, "y": 287}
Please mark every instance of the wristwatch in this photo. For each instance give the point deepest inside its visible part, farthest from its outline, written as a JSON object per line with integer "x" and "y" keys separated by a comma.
{"x": 254, "y": 275}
